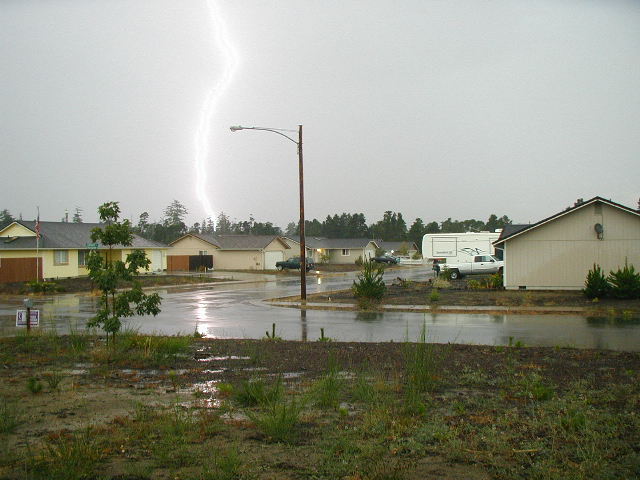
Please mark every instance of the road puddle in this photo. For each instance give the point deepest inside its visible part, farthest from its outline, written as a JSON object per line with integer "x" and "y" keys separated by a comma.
{"x": 220, "y": 359}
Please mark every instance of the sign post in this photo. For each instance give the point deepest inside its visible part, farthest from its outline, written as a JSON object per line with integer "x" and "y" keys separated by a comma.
{"x": 32, "y": 318}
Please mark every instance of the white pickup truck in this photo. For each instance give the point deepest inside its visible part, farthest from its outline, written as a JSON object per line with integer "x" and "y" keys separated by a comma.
{"x": 480, "y": 264}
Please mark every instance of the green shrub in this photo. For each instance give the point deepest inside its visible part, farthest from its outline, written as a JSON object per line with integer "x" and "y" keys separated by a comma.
{"x": 434, "y": 296}
{"x": 370, "y": 283}
{"x": 625, "y": 282}
{"x": 445, "y": 274}
{"x": 596, "y": 284}
{"x": 34, "y": 385}
{"x": 496, "y": 281}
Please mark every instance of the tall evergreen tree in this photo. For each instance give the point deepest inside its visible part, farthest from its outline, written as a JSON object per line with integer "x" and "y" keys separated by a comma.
{"x": 223, "y": 224}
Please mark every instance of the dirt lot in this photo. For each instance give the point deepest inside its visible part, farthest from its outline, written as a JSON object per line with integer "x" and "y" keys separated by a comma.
{"x": 458, "y": 292}
{"x": 84, "y": 284}
{"x": 188, "y": 408}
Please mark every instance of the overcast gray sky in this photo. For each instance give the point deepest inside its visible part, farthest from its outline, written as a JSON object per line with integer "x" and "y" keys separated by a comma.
{"x": 434, "y": 109}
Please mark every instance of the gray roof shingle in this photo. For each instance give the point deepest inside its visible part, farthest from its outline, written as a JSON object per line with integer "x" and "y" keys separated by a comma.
{"x": 238, "y": 242}
{"x": 63, "y": 235}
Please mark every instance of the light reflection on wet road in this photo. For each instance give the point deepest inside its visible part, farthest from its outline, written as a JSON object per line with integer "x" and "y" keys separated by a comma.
{"x": 237, "y": 311}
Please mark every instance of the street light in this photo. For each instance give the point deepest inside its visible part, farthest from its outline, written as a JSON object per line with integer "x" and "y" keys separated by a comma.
{"x": 303, "y": 247}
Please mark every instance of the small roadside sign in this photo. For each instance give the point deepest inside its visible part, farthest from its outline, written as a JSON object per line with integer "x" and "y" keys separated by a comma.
{"x": 92, "y": 246}
{"x": 21, "y": 318}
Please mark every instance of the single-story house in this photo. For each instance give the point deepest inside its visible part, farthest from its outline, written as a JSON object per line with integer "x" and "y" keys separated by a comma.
{"x": 557, "y": 253}
{"x": 337, "y": 250}
{"x": 61, "y": 251}
{"x": 228, "y": 252}
{"x": 393, "y": 248}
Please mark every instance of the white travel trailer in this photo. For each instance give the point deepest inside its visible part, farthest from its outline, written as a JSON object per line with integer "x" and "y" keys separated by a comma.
{"x": 458, "y": 247}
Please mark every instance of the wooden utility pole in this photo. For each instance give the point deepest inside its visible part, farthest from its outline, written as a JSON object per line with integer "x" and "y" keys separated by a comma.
{"x": 303, "y": 246}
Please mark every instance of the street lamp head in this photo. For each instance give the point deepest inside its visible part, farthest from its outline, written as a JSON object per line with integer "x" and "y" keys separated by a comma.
{"x": 236, "y": 128}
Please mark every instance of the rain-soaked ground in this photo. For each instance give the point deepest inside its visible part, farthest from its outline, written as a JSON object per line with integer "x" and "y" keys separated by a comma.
{"x": 238, "y": 311}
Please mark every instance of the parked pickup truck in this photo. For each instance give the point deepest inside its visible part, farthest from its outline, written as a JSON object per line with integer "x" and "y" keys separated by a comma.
{"x": 480, "y": 264}
{"x": 294, "y": 263}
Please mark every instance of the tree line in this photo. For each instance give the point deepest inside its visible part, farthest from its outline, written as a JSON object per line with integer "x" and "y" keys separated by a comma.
{"x": 392, "y": 226}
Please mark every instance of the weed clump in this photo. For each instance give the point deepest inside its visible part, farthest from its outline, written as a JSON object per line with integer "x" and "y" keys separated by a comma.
{"x": 256, "y": 392}
{"x": 279, "y": 420}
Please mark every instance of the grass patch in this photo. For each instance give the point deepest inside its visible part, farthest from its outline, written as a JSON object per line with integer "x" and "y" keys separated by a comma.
{"x": 10, "y": 416}
{"x": 256, "y": 391}
{"x": 358, "y": 411}
{"x": 279, "y": 420}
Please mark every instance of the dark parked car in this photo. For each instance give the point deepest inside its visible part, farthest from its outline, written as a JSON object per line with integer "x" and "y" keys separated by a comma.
{"x": 294, "y": 263}
{"x": 385, "y": 259}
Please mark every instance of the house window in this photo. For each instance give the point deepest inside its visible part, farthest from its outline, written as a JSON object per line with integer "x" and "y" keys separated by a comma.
{"x": 202, "y": 252}
{"x": 345, "y": 252}
{"x": 61, "y": 257}
{"x": 83, "y": 257}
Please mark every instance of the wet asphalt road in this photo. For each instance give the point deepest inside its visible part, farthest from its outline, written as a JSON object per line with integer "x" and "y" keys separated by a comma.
{"x": 238, "y": 311}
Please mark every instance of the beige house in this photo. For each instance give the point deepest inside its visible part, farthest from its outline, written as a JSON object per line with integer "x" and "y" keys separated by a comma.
{"x": 556, "y": 253}
{"x": 394, "y": 248}
{"x": 337, "y": 250}
{"x": 61, "y": 251}
{"x": 228, "y": 252}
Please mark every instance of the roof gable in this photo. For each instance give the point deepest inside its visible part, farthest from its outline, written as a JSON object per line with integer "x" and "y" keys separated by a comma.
{"x": 15, "y": 229}
{"x": 568, "y": 211}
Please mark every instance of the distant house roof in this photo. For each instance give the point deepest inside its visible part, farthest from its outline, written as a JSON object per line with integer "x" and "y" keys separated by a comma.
{"x": 63, "y": 235}
{"x": 395, "y": 246}
{"x": 527, "y": 228}
{"x": 335, "y": 243}
{"x": 236, "y": 242}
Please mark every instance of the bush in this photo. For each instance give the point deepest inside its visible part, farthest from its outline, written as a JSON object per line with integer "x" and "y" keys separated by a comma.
{"x": 596, "y": 285}
{"x": 625, "y": 283}
{"x": 495, "y": 281}
{"x": 445, "y": 274}
{"x": 370, "y": 283}
{"x": 434, "y": 296}
{"x": 35, "y": 286}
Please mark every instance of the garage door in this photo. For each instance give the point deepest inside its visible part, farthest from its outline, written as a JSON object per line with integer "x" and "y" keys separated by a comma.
{"x": 19, "y": 269}
{"x": 176, "y": 263}
{"x": 270, "y": 259}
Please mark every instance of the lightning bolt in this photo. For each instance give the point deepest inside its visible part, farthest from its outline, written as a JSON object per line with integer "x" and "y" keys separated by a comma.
{"x": 203, "y": 134}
